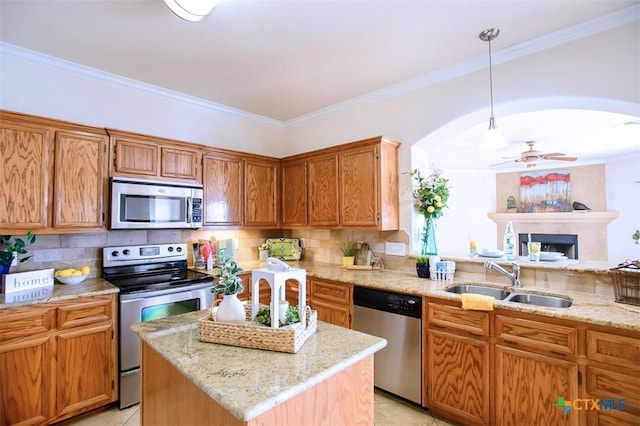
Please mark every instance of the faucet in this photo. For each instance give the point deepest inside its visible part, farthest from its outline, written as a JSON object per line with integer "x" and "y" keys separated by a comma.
{"x": 514, "y": 276}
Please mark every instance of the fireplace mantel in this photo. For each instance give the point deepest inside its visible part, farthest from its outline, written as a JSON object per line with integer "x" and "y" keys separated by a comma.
{"x": 575, "y": 217}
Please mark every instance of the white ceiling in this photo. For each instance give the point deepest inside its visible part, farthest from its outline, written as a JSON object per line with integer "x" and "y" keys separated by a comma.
{"x": 283, "y": 59}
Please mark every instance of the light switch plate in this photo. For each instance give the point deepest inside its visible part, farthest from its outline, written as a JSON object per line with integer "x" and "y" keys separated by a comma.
{"x": 395, "y": 249}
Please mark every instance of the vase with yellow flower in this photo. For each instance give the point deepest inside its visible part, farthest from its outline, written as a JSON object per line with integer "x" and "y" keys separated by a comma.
{"x": 430, "y": 195}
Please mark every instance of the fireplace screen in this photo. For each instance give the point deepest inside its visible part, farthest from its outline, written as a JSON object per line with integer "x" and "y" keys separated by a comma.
{"x": 561, "y": 243}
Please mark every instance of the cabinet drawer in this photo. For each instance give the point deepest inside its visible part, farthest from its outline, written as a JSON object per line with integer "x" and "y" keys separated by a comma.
{"x": 613, "y": 349}
{"x": 337, "y": 293}
{"x": 451, "y": 317}
{"x": 26, "y": 321}
{"x": 615, "y": 385}
{"x": 84, "y": 311}
{"x": 537, "y": 336}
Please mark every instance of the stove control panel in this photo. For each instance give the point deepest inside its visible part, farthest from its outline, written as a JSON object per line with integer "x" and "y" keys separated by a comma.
{"x": 151, "y": 253}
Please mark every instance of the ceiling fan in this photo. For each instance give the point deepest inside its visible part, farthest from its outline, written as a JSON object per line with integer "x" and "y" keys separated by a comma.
{"x": 530, "y": 157}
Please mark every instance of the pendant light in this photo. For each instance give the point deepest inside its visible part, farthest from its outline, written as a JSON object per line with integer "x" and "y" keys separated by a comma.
{"x": 191, "y": 10}
{"x": 493, "y": 138}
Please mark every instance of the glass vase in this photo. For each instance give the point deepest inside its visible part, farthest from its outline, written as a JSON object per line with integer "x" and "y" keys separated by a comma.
{"x": 429, "y": 245}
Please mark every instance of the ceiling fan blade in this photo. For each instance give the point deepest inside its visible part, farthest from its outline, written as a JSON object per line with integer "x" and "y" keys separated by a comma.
{"x": 551, "y": 154}
{"x": 564, "y": 158}
{"x": 509, "y": 161}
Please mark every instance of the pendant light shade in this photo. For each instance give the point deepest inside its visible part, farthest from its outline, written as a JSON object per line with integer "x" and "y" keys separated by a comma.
{"x": 493, "y": 138}
{"x": 191, "y": 10}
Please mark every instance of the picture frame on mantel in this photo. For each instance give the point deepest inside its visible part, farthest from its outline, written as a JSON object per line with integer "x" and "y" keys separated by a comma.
{"x": 545, "y": 191}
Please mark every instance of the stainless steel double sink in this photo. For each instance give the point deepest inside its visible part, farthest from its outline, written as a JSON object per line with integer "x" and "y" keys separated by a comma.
{"x": 513, "y": 296}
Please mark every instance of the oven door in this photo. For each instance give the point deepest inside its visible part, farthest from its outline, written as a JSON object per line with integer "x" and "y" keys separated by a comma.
{"x": 147, "y": 306}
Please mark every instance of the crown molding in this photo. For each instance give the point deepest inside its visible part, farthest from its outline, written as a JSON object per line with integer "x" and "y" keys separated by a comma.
{"x": 584, "y": 29}
{"x": 16, "y": 53}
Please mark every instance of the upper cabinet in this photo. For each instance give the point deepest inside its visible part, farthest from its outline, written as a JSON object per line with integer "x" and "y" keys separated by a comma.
{"x": 148, "y": 157}
{"x": 53, "y": 178}
{"x": 239, "y": 190}
{"x": 351, "y": 186}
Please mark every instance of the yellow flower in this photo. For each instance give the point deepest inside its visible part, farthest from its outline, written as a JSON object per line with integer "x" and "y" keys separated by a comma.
{"x": 439, "y": 204}
{"x": 431, "y": 209}
{"x": 437, "y": 197}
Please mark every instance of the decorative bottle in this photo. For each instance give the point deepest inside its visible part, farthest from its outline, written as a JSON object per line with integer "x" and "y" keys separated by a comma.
{"x": 509, "y": 243}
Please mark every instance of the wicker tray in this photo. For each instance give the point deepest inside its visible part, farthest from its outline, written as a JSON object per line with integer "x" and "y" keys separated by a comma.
{"x": 249, "y": 335}
{"x": 626, "y": 282}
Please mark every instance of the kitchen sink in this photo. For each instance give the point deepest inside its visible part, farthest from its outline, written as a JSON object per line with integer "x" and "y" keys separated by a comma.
{"x": 516, "y": 297}
{"x": 539, "y": 300}
{"x": 498, "y": 293}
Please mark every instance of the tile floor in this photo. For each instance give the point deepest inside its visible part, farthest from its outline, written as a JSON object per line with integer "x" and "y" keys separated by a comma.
{"x": 389, "y": 410}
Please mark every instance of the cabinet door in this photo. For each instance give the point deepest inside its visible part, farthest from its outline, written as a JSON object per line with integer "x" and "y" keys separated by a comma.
{"x": 334, "y": 314}
{"x": 528, "y": 387}
{"x": 85, "y": 369}
{"x": 26, "y": 383}
{"x": 333, "y": 302}
{"x": 25, "y": 176}
{"x": 323, "y": 191}
{"x": 222, "y": 180}
{"x": 135, "y": 157}
{"x": 458, "y": 377}
{"x": 359, "y": 187}
{"x": 261, "y": 193}
{"x": 79, "y": 180}
{"x": 294, "y": 194}
{"x": 179, "y": 163}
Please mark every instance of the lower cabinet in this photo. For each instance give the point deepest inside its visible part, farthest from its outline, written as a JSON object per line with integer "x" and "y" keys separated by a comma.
{"x": 57, "y": 359}
{"x": 529, "y": 386}
{"x": 332, "y": 301}
{"x": 457, "y": 364}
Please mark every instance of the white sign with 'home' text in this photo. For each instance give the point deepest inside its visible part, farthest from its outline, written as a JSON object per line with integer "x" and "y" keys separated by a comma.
{"x": 23, "y": 281}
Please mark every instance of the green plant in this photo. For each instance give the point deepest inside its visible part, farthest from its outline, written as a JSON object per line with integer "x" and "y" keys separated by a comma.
{"x": 422, "y": 259}
{"x": 264, "y": 316}
{"x": 348, "y": 247}
{"x": 430, "y": 194}
{"x": 10, "y": 249}
{"x": 636, "y": 236}
{"x": 228, "y": 280}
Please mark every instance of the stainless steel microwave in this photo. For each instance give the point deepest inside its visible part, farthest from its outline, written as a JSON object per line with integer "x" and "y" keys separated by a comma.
{"x": 145, "y": 204}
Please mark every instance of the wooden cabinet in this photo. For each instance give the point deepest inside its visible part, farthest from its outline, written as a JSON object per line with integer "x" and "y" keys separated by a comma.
{"x": 240, "y": 190}
{"x": 261, "y": 193}
{"x": 333, "y": 301}
{"x": 222, "y": 181}
{"x": 457, "y": 364}
{"x": 534, "y": 366}
{"x": 54, "y": 176}
{"x": 148, "y": 157}
{"x": 58, "y": 359}
{"x": 612, "y": 375}
{"x": 293, "y": 190}
{"x": 351, "y": 186}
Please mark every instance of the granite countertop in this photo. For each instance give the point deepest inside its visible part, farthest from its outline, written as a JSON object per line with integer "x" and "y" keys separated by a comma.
{"x": 249, "y": 382}
{"x": 586, "y": 307}
{"x": 59, "y": 292}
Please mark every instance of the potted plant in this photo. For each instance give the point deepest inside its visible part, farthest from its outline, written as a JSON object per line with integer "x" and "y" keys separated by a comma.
{"x": 263, "y": 250}
{"x": 430, "y": 198}
{"x": 422, "y": 265}
{"x": 348, "y": 248}
{"x": 10, "y": 250}
{"x": 229, "y": 284}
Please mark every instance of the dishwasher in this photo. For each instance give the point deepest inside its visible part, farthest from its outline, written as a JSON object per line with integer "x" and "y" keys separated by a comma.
{"x": 398, "y": 319}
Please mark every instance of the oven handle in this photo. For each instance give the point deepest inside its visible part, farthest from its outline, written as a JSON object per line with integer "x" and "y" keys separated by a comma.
{"x": 189, "y": 201}
{"x": 153, "y": 293}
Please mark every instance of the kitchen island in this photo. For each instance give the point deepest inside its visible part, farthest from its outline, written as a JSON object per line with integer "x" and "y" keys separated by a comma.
{"x": 185, "y": 381}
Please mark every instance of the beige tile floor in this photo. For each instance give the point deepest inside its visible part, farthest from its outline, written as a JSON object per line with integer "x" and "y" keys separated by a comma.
{"x": 389, "y": 411}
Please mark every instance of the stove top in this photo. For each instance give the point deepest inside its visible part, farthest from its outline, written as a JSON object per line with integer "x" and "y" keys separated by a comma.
{"x": 145, "y": 268}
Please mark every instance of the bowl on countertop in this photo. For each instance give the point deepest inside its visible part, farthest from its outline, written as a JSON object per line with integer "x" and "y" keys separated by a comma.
{"x": 72, "y": 280}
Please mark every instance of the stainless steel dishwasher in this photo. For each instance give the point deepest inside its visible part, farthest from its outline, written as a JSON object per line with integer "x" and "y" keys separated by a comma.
{"x": 397, "y": 318}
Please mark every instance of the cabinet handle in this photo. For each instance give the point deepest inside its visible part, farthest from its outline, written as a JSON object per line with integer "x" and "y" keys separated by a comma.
{"x": 579, "y": 378}
{"x": 558, "y": 353}
{"x": 510, "y": 342}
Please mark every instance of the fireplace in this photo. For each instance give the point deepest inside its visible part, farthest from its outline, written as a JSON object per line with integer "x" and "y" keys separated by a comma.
{"x": 562, "y": 243}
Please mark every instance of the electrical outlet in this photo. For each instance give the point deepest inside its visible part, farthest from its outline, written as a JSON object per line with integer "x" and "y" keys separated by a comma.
{"x": 394, "y": 249}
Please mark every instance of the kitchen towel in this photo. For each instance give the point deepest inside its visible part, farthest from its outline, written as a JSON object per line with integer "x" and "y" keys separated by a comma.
{"x": 478, "y": 302}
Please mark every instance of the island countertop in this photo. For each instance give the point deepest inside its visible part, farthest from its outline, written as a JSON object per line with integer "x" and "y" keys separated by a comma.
{"x": 249, "y": 382}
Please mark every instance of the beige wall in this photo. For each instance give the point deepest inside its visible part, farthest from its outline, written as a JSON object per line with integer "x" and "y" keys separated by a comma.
{"x": 587, "y": 185}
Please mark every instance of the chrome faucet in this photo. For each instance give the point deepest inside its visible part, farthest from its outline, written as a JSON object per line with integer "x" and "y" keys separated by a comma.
{"x": 514, "y": 276}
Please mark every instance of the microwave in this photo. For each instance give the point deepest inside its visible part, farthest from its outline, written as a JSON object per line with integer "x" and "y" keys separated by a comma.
{"x": 145, "y": 204}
